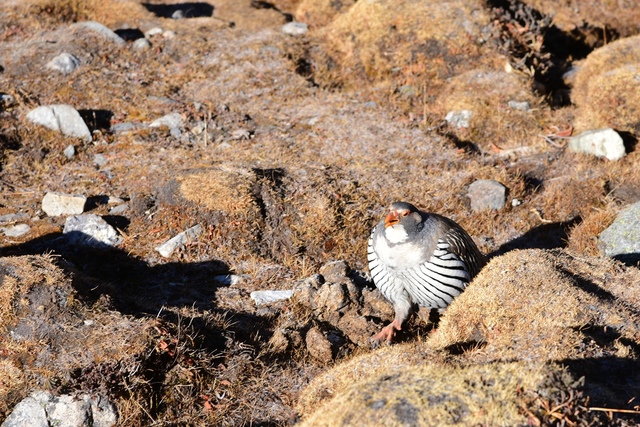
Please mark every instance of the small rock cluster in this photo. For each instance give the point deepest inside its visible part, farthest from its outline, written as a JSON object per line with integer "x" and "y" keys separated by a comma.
{"x": 343, "y": 313}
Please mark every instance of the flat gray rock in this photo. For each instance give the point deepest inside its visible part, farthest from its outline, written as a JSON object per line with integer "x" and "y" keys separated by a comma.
{"x": 65, "y": 63}
{"x": 15, "y": 230}
{"x": 487, "y": 194}
{"x": 178, "y": 241}
{"x": 42, "y": 409}
{"x": 98, "y": 28}
{"x": 622, "y": 239}
{"x": 171, "y": 120}
{"x": 55, "y": 204}
{"x": 92, "y": 230}
{"x": 63, "y": 118}
{"x": 601, "y": 143}
{"x": 268, "y": 297}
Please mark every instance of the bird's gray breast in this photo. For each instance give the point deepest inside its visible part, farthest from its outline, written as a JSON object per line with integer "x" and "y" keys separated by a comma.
{"x": 398, "y": 256}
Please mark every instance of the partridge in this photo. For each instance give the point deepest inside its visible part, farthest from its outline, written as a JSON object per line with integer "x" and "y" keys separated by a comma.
{"x": 419, "y": 258}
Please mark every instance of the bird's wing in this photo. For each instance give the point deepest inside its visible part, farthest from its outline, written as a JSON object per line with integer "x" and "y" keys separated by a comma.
{"x": 463, "y": 247}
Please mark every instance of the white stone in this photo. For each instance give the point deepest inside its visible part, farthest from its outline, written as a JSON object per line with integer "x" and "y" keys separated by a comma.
{"x": 601, "y": 143}
{"x": 167, "y": 248}
{"x": 69, "y": 152}
{"x": 171, "y": 120}
{"x": 16, "y": 230}
{"x": 63, "y": 118}
{"x": 519, "y": 105}
{"x": 141, "y": 44}
{"x": 295, "y": 28}
{"x": 459, "y": 119}
{"x": 91, "y": 229}
{"x": 120, "y": 209}
{"x": 54, "y": 204}
{"x": 268, "y": 297}
{"x": 155, "y": 31}
{"x": 65, "y": 63}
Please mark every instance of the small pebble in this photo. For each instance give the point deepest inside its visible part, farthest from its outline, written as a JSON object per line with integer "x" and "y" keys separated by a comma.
{"x": 295, "y": 28}
{"x": 487, "y": 194}
{"x": 519, "y": 105}
{"x": 99, "y": 160}
{"x": 120, "y": 209}
{"x": 65, "y": 63}
{"x": 141, "y": 44}
{"x": 155, "y": 31}
{"x": 69, "y": 152}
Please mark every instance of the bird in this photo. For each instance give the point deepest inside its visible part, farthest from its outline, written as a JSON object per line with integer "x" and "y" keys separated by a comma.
{"x": 419, "y": 258}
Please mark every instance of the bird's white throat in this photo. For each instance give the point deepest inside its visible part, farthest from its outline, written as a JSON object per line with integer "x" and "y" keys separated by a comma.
{"x": 396, "y": 234}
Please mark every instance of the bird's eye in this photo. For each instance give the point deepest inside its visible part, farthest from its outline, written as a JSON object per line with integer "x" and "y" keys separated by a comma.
{"x": 404, "y": 213}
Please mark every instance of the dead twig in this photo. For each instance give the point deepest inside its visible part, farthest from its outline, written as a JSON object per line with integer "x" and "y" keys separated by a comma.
{"x": 622, "y": 411}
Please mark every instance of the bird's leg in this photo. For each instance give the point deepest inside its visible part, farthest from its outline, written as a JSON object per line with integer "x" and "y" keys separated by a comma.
{"x": 387, "y": 333}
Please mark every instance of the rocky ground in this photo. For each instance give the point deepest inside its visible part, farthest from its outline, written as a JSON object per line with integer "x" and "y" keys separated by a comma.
{"x": 275, "y": 134}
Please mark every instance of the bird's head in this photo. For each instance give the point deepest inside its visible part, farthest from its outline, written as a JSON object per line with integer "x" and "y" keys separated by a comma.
{"x": 404, "y": 214}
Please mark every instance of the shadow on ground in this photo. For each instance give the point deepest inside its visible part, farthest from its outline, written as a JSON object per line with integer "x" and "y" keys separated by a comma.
{"x": 546, "y": 236}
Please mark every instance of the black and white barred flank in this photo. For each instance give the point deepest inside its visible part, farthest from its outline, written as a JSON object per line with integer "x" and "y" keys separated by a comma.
{"x": 433, "y": 284}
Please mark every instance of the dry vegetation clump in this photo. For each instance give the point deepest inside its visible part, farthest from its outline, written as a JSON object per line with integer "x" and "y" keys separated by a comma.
{"x": 40, "y": 353}
{"x": 606, "y": 87}
{"x": 494, "y": 124}
{"x": 408, "y": 47}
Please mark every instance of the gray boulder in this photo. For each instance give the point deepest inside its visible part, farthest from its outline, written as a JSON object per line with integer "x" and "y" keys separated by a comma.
{"x": 42, "y": 409}
{"x": 622, "y": 239}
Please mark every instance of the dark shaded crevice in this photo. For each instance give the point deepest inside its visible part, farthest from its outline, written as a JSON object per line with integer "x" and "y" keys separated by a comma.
{"x": 181, "y": 10}
{"x": 97, "y": 119}
{"x": 542, "y": 50}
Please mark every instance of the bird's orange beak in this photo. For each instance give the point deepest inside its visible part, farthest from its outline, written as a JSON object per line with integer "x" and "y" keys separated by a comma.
{"x": 391, "y": 219}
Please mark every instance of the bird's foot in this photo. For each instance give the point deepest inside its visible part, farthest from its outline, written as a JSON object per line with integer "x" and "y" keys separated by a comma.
{"x": 386, "y": 334}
